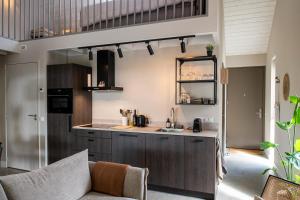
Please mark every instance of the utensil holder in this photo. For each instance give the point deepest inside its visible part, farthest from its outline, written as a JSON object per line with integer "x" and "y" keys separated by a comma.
{"x": 124, "y": 121}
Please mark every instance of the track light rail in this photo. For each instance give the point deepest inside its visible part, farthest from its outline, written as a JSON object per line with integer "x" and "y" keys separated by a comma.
{"x": 138, "y": 41}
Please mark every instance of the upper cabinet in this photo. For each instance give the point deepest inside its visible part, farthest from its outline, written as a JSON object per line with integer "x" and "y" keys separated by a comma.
{"x": 67, "y": 76}
{"x": 59, "y": 76}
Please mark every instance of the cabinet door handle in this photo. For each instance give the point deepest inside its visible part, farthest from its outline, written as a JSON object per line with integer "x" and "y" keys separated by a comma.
{"x": 198, "y": 141}
{"x": 91, "y": 140}
{"x": 91, "y": 155}
{"x": 91, "y": 133}
{"x": 164, "y": 138}
{"x": 128, "y": 135}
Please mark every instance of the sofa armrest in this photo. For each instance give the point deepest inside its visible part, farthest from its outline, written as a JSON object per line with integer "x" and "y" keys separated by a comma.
{"x": 2, "y": 193}
{"x": 135, "y": 184}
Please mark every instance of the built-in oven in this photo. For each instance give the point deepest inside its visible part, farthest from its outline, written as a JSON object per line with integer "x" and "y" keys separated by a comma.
{"x": 60, "y": 100}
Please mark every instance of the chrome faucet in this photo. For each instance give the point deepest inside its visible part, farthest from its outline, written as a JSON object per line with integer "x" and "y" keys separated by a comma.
{"x": 173, "y": 118}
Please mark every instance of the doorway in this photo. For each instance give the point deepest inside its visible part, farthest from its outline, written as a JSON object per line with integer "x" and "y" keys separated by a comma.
{"x": 245, "y": 107}
{"x": 22, "y": 138}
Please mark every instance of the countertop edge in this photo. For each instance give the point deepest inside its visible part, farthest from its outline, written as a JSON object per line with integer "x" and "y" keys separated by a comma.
{"x": 206, "y": 133}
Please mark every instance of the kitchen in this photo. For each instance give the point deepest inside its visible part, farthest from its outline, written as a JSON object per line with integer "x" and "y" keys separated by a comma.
{"x": 148, "y": 87}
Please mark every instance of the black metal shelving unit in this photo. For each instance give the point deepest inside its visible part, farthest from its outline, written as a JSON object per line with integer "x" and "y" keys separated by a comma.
{"x": 179, "y": 63}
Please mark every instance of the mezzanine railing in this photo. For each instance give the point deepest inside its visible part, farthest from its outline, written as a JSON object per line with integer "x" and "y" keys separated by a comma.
{"x": 32, "y": 19}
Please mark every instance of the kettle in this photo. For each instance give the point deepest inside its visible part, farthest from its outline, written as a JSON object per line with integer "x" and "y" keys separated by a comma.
{"x": 197, "y": 126}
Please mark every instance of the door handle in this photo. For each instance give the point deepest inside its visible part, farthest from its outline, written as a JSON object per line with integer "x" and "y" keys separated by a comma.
{"x": 34, "y": 116}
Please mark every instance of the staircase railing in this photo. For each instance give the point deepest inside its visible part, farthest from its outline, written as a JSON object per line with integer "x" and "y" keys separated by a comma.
{"x": 33, "y": 19}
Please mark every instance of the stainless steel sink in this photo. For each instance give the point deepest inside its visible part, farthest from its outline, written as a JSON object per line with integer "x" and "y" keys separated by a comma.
{"x": 174, "y": 130}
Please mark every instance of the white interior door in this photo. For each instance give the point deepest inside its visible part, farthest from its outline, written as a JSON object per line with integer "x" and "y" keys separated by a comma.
{"x": 21, "y": 116}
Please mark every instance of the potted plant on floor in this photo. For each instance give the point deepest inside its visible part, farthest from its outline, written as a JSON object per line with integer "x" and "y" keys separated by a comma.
{"x": 290, "y": 161}
{"x": 210, "y": 49}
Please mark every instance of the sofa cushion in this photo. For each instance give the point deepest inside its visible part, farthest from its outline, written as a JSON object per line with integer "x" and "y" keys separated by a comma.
{"x": 135, "y": 184}
{"x": 68, "y": 179}
{"x": 100, "y": 196}
{"x": 109, "y": 178}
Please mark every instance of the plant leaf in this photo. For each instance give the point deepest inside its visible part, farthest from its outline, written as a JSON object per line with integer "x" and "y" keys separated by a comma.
{"x": 273, "y": 169}
{"x": 285, "y": 125}
{"x": 294, "y": 99}
{"x": 294, "y": 159}
{"x": 266, "y": 145}
{"x": 284, "y": 163}
{"x": 296, "y": 116}
{"x": 297, "y": 179}
{"x": 297, "y": 145}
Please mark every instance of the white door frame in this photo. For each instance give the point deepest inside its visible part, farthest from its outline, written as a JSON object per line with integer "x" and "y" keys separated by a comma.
{"x": 38, "y": 110}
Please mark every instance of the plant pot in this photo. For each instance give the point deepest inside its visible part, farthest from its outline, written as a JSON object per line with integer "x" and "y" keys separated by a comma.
{"x": 209, "y": 53}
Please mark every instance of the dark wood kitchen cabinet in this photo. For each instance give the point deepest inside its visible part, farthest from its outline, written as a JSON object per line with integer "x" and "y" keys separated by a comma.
{"x": 59, "y": 76}
{"x": 200, "y": 164}
{"x": 97, "y": 142}
{"x": 74, "y": 77}
{"x": 59, "y": 137}
{"x": 129, "y": 148}
{"x": 165, "y": 160}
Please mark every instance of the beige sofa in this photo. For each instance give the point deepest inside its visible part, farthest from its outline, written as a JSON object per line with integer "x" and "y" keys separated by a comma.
{"x": 68, "y": 179}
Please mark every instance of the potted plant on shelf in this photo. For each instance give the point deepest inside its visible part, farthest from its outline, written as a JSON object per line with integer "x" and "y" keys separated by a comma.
{"x": 210, "y": 49}
{"x": 290, "y": 161}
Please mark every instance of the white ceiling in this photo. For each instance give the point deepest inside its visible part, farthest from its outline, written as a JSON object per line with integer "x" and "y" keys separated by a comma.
{"x": 248, "y": 26}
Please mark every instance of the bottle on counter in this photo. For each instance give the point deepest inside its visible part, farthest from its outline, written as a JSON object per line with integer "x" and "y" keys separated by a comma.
{"x": 168, "y": 123}
{"x": 134, "y": 118}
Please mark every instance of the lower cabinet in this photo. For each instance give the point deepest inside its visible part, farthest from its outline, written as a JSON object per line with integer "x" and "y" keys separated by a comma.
{"x": 129, "y": 148}
{"x": 200, "y": 164}
{"x": 98, "y": 144}
{"x": 59, "y": 137}
{"x": 185, "y": 163}
{"x": 165, "y": 160}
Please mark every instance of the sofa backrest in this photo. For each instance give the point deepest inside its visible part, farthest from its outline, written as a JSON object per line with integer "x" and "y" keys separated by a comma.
{"x": 2, "y": 193}
{"x": 67, "y": 179}
{"x": 135, "y": 184}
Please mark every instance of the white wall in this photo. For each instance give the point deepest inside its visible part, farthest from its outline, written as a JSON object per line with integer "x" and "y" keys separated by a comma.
{"x": 254, "y": 60}
{"x": 8, "y": 45}
{"x": 2, "y": 103}
{"x": 149, "y": 86}
{"x": 285, "y": 45}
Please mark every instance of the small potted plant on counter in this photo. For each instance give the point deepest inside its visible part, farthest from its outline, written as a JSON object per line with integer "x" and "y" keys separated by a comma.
{"x": 210, "y": 49}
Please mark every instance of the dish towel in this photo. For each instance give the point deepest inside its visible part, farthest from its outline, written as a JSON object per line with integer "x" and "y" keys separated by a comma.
{"x": 220, "y": 162}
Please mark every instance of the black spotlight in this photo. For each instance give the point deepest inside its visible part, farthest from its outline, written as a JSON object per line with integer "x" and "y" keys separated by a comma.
{"x": 90, "y": 54}
{"x": 119, "y": 50}
{"x": 150, "y": 50}
{"x": 182, "y": 45}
